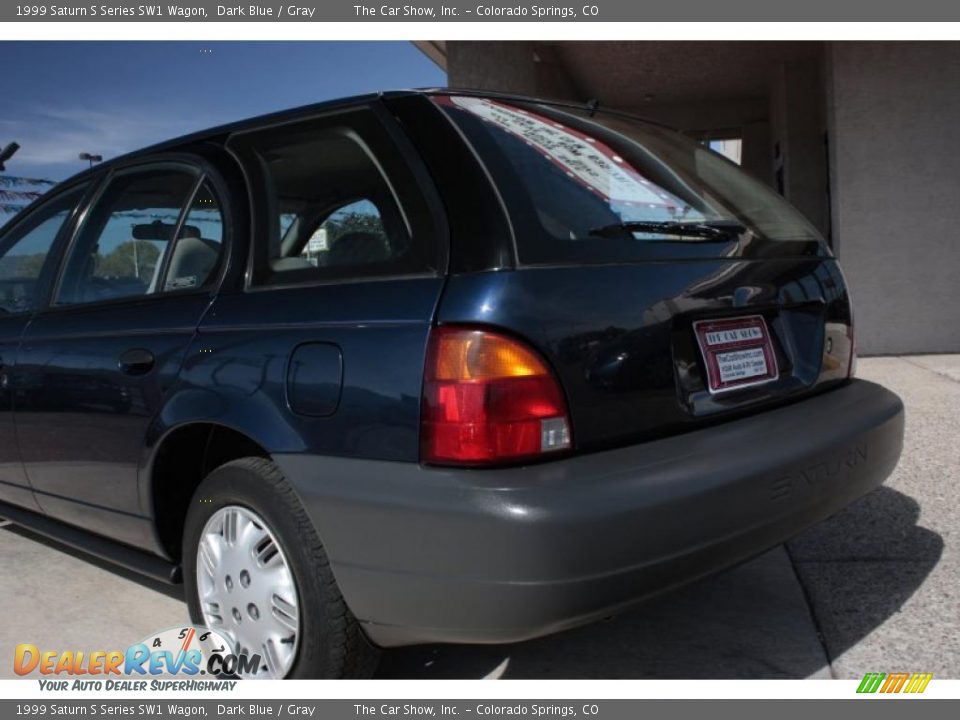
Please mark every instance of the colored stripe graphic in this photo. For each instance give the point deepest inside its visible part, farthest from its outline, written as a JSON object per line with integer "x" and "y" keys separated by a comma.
{"x": 871, "y": 682}
{"x": 913, "y": 683}
{"x": 918, "y": 682}
{"x": 894, "y": 682}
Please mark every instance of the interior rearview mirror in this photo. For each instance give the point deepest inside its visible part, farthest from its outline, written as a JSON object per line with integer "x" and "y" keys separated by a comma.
{"x": 163, "y": 232}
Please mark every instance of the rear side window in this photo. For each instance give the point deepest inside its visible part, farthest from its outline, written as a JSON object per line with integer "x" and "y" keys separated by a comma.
{"x": 600, "y": 189}
{"x": 352, "y": 234}
{"x": 337, "y": 201}
{"x": 25, "y": 253}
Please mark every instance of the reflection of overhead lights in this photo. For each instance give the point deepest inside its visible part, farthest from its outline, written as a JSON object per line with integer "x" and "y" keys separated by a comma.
{"x": 648, "y": 97}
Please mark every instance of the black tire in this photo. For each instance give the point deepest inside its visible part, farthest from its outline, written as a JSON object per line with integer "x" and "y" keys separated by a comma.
{"x": 331, "y": 643}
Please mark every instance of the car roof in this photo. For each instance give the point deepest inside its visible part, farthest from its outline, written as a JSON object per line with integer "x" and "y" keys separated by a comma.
{"x": 221, "y": 131}
{"x": 305, "y": 111}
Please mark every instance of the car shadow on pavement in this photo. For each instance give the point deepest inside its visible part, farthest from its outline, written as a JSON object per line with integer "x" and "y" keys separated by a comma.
{"x": 784, "y": 614}
{"x": 861, "y": 566}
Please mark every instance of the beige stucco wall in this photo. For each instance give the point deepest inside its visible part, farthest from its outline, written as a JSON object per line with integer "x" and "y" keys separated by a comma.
{"x": 895, "y": 176}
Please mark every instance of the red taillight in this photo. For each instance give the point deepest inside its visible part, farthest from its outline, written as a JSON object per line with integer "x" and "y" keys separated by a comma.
{"x": 488, "y": 398}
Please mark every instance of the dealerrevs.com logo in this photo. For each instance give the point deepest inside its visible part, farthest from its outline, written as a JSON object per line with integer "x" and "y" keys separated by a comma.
{"x": 176, "y": 652}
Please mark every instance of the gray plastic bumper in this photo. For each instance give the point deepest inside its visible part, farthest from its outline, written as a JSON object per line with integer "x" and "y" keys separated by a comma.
{"x": 449, "y": 555}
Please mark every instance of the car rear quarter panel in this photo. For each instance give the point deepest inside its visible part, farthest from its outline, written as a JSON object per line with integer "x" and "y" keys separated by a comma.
{"x": 235, "y": 373}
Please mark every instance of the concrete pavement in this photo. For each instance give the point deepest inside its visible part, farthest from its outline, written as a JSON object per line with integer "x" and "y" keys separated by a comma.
{"x": 872, "y": 589}
{"x": 882, "y": 577}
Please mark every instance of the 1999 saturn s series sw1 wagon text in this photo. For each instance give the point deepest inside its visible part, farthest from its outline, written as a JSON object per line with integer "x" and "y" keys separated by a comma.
{"x": 424, "y": 367}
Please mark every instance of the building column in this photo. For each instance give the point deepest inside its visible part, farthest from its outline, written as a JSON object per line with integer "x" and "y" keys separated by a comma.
{"x": 798, "y": 130}
{"x": 895, "y": 185}
{"x": 756, "y": 156}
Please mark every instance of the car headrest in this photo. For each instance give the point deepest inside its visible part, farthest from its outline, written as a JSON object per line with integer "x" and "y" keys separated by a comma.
{"x": 358, "y": 248}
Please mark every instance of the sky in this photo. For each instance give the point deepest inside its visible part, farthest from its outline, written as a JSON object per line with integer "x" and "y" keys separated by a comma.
{"x": 59, "y": 99}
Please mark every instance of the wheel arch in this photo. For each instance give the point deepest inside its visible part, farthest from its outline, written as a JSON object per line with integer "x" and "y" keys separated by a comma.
{"x": 182, "y": 457}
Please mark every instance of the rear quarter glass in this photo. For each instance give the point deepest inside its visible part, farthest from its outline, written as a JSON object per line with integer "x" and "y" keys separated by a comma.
{"x": 565, "y": 175}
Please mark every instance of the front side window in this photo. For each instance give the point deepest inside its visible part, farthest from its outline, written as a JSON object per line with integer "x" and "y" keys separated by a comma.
{"x": 129, "y": 236}
{"x": 338, "y": 203}
{"x": 25, "y": 253}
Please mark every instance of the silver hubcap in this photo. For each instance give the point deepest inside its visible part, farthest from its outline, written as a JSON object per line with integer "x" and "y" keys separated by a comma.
{"x": 247, "y": 590}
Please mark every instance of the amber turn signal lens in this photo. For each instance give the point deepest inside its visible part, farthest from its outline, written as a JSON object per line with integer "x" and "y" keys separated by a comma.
{"x": 467, "y": 355}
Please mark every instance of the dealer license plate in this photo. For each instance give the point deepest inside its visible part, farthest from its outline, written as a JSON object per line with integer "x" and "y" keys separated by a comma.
{"x": 737, "y": 352}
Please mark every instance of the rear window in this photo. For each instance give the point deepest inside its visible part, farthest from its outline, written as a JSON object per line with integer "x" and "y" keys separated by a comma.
{"x": 602, "y": 188}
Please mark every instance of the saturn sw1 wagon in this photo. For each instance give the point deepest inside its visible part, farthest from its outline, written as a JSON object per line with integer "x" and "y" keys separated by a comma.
{"x": 426, "y": 367}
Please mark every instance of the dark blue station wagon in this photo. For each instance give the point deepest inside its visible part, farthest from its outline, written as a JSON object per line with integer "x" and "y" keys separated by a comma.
{"x": 426, "y": 367}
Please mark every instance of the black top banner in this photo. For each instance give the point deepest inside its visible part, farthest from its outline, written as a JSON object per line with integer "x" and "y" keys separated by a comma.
{"x": 487, "y": 11}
